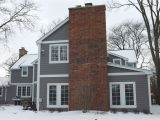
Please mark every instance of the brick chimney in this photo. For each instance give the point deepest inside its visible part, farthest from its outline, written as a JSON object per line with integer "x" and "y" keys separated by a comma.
{"x": 88, "y": 84}
{"x": 22, "y": 52}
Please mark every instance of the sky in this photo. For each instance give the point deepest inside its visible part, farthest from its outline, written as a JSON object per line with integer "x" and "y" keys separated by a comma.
{"x": 54, "y": 10}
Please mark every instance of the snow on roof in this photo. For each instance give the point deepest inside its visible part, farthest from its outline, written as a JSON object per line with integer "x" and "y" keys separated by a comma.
{"x": 130, "y": 54}
{"x": 4, "y": 81}
{"x": 26, "y": 60}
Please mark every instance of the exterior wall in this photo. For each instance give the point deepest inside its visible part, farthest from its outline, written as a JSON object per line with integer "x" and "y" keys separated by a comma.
{"x": 17, "y": 78}
{"x": 47, "y": 68}
{"x": 35, "y": 72}
{"x": 87, "y": 58}
{"x": 35, "y": 93}
{"x": 141, "y": 89}
{"x": 2, "y": 98}
{"x": 11, "y": 93}
{"x": 60, "y": 34}
{"x": 43, "y": 92}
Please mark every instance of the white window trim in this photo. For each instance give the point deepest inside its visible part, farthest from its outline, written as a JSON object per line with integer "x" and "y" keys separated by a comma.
{"x": 117, "y": 59}
{"x": 122, "y": 95}
{"x": 26, "y": 91}
{"x": 22, "y": 71}
{"x": 126, "y": 64}
{"x": 59, "y": 61}
{"x": 1, "y": 92}
{"x": 58, "y": 99}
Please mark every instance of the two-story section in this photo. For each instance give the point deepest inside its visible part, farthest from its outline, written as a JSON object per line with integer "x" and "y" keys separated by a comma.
{"x": 22, "y": 73}
{"x": 52, "y": 84}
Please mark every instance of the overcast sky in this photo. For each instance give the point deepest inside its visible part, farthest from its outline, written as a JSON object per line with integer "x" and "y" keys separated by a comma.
{"x": 53, "y": 10}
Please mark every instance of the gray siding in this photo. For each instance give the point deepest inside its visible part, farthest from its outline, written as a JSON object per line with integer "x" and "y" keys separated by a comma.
{"x": 141, "y": 89}
{"x": 43, "y": 91}
{"x": 11, "y": 93}
{"x": 2, "y": 98}
{"x": 35, "y": 93}
{"x": 17, "y": 78}
{"x": 47, "y": 68}
{"x": 60, "y": 34}
{"x": 35, "y": 72}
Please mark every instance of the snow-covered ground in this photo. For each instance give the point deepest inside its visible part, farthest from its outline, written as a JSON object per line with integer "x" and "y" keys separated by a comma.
{"x": 16, "y": 113}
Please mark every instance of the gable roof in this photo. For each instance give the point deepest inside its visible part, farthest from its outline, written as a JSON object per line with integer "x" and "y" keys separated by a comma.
{"x": 129, "y": 54}
{"x": 26, "y": 60}
{"x": 52, "y": 31}
{"x": 4, "y": 81}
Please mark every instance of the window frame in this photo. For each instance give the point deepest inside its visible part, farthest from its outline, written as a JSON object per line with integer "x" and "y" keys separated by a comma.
{"x": 59, "y": 61}
{"x": 117, "y": 59}
{"x": 58, "y": 95}
{"x": 22, "y": 69}
{"x": 126, "y": 64}
{"x": 26, "y": 96}
{"x": 122, "y": 95}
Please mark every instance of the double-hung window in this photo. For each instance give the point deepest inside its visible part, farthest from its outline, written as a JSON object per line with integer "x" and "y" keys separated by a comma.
{"x": 24, "y": 91}
{"x": 122, "y": 95}
{"x": 58, "y": 53}
{"x": 24, "y": 71}
{"x": 57, "y": 95}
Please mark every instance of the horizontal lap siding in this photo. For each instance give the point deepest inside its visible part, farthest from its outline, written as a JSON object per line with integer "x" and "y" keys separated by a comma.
{"x": 43, "y": 88}
{"x": 17, "y": 78}
{"x": 11, "y": 93}
{"x": 141, "y": 89}
{"x": 47, "y": 68}
{"x": 112, "y": 69}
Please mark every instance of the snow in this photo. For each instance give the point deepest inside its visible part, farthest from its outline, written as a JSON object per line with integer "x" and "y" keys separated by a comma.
{"x": 130, "y": 54}
{"x": 26, "y": 60}
{"x": 155, "y": 109}
{"x": 11, "y": 112}
{"x": 4, "y": 81}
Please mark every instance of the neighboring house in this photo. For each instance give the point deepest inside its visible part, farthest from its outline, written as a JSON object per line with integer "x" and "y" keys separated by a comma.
{"x": 72, "y": 62}
{"x": 4, "y": 84}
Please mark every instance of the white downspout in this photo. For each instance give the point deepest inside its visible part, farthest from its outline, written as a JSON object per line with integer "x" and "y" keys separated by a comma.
{"x": 149, "y": 91}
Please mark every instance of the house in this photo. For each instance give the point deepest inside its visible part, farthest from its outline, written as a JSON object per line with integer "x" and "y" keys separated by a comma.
{"x": 74, "y": 71}
{"x": 4, "y": 84}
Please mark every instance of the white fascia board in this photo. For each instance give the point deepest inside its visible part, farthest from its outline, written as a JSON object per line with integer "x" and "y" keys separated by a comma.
{"x": 148, "y": 72}
{"x": 55, "y": 41}
{"x": 126, "y": 73}
{"x": 21, "y": 83}
{"x": 53, "y": 30}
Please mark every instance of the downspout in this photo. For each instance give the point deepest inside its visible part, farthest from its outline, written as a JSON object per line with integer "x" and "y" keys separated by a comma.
{"x": 38, "y": 76}
{"x": 149, "y": 91}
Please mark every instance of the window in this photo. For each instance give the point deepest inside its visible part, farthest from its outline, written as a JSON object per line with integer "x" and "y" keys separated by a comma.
{"x": 1, "y": 91}
{"x": 24, "y": 72}
{"x": 58, "y": 53}
{"x": 117, "y": 61}
{"x": 130, "y": 64}
{"x": 122, "y": 95}
{"x": 24, "y": 91}
{"x": 57, "y": 95}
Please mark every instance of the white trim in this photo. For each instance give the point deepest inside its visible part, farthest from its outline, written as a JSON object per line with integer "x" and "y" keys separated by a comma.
{"x": 58, "y": 99}
{"x": 126, "y": 64}
{"x": 59, "y": 61}
{"x": 55, "y": 41}
{"x": 22, "y": 90}
{"x": 23, "y": 70}
{"x": 51, "y": 31}
{"x": 118, "y": 60}
{"x": 33, "y": 85}
{"x": 149, "y": 92}
{"x": 130, "y": 68}
{"x": 38, "y": 77}
{"x": 126, "y": 73}
{"x": 55, "y": 75}
{"x": 122, "y": 95}
{"x": 21, "y": 83}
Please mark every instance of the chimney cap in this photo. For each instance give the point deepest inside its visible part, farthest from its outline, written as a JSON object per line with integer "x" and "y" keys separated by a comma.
{"x": 88, "y": 4}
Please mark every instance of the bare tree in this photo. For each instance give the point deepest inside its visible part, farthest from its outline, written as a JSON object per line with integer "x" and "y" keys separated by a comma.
{"x": 150, "y": 12}
{"x": 9, "y": 63}
{"x": 16, "y": 15}
{"x": 128, "y": 35}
